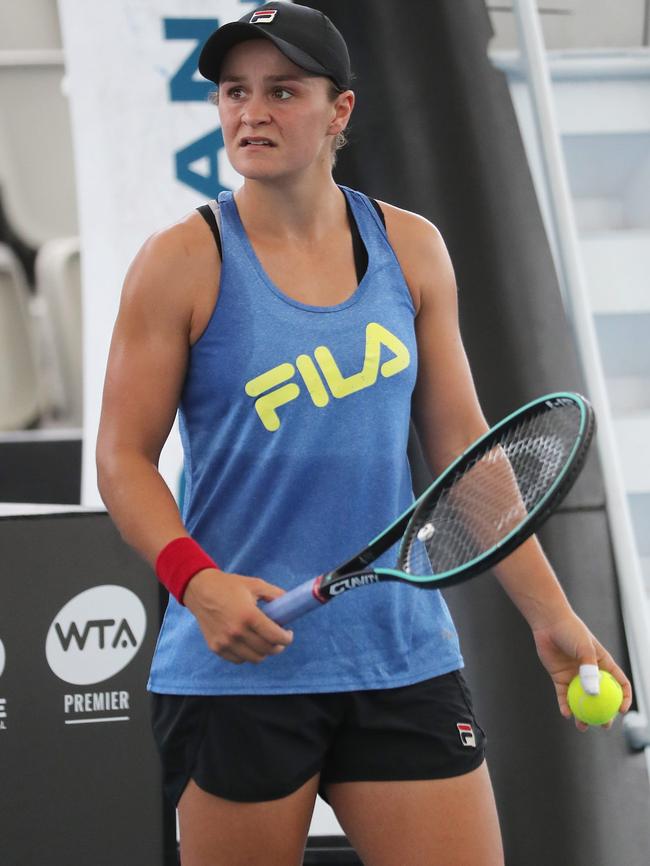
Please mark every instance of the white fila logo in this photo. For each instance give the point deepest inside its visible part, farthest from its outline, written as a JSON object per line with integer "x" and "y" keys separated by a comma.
{"x": 466, "y": 734}
{"x": 264, "y": 16}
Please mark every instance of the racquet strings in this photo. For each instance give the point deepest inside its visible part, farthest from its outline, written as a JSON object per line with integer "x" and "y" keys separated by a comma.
{"x": 493, "y": 493}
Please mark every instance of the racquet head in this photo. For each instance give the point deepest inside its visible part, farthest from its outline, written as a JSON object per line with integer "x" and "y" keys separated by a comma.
{"x": 498, "y": 492}
{"x": 488, "y": 501}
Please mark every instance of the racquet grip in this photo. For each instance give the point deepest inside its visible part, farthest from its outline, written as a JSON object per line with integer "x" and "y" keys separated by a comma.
{"x": 293, "y": 604}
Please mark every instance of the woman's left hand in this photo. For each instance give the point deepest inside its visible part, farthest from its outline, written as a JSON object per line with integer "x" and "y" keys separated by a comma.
{"x": 566, "y": 644}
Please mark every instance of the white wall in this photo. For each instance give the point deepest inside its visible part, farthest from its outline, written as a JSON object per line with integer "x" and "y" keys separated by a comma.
{"x": 569, "y": 24}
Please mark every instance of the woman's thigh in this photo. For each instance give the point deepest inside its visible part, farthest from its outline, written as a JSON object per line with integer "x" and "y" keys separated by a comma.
{"x": 437, "y": 822}
{"x": 219, "y": 832}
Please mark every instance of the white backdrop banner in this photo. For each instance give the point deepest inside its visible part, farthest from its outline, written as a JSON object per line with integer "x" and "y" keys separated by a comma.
{"x": 148, "y": 149}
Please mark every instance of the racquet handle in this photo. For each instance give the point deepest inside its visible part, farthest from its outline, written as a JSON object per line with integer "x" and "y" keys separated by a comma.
{"x": 292, "y": 604}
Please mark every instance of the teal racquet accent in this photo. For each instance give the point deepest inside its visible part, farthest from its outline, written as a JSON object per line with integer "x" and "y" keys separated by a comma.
{"x": 486, "y": 503}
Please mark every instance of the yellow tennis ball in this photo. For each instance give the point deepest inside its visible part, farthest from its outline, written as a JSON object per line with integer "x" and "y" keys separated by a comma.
{"x": 595, "y": 709}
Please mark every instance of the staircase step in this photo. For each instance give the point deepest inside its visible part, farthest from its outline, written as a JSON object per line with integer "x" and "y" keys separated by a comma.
{"x": 617, "y": 265}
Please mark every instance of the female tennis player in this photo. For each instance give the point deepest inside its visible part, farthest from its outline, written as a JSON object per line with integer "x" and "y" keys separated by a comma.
{"x": 295, "y": 324}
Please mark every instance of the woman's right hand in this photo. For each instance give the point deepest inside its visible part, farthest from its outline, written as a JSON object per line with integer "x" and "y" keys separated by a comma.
{"x": 226, "y": 609}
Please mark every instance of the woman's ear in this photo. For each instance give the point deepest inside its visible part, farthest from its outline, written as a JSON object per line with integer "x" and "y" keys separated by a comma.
{"x": 343, "y": 109}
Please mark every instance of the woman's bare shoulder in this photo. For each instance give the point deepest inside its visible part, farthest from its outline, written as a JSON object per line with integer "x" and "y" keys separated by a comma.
{"x": 419, "y": 247}
{"x": 178, "y": 267}
{"x": 186, "y": 246}
{"x": 405, "y": 225}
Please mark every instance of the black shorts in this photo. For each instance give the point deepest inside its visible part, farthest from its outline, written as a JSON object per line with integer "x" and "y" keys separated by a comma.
{"x": 250, "y": 748}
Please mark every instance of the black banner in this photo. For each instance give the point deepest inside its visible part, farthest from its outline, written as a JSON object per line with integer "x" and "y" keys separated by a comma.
{"x": 434, "y": 131}
{"x": 79, "y": 616}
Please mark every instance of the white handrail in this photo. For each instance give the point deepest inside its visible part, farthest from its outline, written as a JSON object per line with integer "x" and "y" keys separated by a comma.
{"x": 32, "y": 57}
{"x": 620, "y": 63}
{"x": 574, "y": 286}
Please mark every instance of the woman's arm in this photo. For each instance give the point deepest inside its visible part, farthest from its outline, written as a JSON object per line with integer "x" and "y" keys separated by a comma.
{"x": 146, "y": 367}
{"x": 448, "y": 417}
{"x": 162, "y": 312}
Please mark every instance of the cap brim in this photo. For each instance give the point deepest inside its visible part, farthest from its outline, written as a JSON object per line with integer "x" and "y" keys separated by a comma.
{"x": 223, "y": 39}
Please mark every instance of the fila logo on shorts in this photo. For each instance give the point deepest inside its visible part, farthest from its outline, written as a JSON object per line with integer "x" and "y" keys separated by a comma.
{"x": 264, "y": 16}
{"x": 466, "y": 734}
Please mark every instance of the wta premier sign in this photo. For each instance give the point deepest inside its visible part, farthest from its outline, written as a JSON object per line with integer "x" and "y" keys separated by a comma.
{"x": 95, "y": 635}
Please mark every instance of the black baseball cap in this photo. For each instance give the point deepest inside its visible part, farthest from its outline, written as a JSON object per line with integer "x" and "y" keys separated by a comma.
{"x": 305, "y": 35}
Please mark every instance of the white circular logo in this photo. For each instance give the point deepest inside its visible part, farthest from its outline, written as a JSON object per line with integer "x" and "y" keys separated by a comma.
{"x": 3, "y": 656}
{"x": 96, "y": 634}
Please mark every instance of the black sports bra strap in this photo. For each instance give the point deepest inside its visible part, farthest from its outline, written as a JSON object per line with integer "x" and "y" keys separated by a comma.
{"x": 208, "y": 215}
{"x": 377, "y": 207}
{"x": 360, "y": 252}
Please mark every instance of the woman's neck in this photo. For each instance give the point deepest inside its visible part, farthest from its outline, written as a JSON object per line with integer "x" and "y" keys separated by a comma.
{"x": 304, "y": 209}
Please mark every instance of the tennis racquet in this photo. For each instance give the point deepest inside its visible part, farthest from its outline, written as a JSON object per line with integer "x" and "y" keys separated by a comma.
{"x": 483, "y": 506}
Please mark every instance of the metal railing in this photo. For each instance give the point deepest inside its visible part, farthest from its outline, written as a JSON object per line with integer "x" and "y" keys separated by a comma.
{"x": 31, "y": 57}
{"x": 573, "y": 283}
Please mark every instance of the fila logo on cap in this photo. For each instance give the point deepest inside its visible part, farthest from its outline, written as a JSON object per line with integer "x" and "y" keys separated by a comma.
{"x": 263, "y": 16}
{"x": 466, "y": 734}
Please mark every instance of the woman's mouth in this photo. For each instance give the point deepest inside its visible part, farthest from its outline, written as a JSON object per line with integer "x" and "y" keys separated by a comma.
{"x": 256, "y": 141}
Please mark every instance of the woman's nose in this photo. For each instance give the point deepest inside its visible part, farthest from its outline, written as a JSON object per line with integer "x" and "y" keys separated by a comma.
{"x": 256, "y": 111}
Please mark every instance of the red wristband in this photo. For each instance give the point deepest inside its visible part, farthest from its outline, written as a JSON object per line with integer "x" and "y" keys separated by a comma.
{"x": 178, "y": 562}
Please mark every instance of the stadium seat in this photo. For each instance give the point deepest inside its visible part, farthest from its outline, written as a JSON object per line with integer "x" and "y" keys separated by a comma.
{"x": 20, "y": 405}
{"x": 58, "y": 297}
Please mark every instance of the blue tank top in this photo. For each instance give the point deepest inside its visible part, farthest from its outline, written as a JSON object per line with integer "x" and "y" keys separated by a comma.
{"x": 294, "y": 421}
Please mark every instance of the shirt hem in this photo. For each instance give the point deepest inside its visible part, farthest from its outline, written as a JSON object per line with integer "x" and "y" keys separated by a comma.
{"x": 457, "y": 663}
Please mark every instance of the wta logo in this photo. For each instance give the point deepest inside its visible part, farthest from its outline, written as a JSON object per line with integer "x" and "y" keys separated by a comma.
{"x": 95, "y": 635}
{"x": 275, "y": 388}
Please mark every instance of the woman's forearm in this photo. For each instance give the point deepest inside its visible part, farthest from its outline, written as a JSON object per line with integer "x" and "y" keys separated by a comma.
{"x": 529, "y": 580}
{"x": 139, "y": 501}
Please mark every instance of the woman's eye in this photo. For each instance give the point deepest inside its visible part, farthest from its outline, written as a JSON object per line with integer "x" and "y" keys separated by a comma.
{"x": 282, "y": 93}
{"x": 235, "y": 92}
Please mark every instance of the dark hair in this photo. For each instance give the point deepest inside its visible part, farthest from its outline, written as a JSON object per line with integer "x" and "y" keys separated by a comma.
{"x": 340, "y": 140}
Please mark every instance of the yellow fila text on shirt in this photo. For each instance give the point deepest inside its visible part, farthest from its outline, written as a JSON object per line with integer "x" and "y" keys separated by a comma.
{"x": 275, "y": 387}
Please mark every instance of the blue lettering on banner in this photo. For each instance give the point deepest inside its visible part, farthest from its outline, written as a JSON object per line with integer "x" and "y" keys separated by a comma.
{"x": 207, "y": 149}
{"x": 185, "y": 87}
